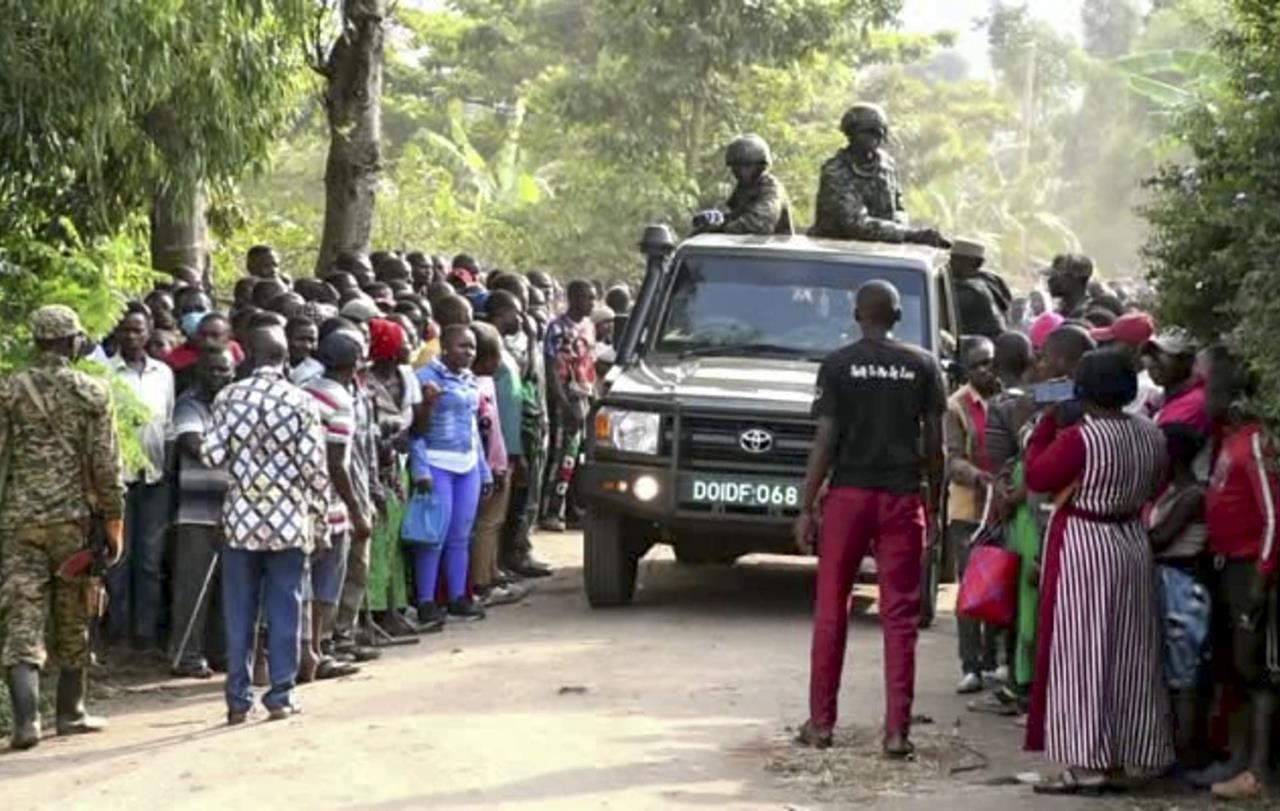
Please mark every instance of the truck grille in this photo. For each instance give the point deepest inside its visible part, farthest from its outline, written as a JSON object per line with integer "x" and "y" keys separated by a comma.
{"x": 714, "y": 443}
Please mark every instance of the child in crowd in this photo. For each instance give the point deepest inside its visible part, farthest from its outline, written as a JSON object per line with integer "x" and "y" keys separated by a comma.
{"x": 1178, "y": 537}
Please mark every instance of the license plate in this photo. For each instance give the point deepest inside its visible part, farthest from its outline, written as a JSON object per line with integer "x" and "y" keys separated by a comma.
{"x": 736, "y": 492}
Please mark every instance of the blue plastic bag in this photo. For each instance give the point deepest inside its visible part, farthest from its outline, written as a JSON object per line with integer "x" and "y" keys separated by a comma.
{"x": 423, "y": 522}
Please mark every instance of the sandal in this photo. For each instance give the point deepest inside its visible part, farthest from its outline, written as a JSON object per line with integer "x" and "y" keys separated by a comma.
{"x": 192, "y": 670}
{"x": 902, "y": 750}
{"x": 993, "y": 704}
{"x": 330, "y": 668}
{"x": 1069, "y": 783}
{"x": 811, "y": 736}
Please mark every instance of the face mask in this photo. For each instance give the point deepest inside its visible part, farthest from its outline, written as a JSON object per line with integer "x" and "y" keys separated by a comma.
{"x": 191, "y": 323}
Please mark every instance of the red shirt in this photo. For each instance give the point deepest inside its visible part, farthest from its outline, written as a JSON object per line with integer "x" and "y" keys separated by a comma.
{"x": 1240, "y": 506}
{"x": 978, "y": 419}
{"x": 186, "y": 355}
{"x": 1187, "y": 407}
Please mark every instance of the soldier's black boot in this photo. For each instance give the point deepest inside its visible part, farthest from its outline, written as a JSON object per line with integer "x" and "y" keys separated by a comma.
{"x": 24, "y": 693}
{"x": 73, "y": 719}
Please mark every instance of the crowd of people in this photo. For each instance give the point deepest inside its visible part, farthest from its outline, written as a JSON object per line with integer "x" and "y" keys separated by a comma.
{"x": 338, "y": 462}
{"x": 1122, "y": 467}
{"x": 360, "y": 457}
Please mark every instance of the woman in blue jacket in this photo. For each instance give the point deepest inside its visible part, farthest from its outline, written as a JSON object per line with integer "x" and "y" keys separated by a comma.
{"x": 447, "y": 461}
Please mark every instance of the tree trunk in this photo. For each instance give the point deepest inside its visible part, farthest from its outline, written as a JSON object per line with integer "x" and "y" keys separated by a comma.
{"x": 353, "y": 100}
{"x": 179, "y": 232}
{"x": 693, "y": 139}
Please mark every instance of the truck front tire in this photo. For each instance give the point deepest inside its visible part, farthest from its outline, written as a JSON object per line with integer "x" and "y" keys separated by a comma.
{"x": 610, "y": 559}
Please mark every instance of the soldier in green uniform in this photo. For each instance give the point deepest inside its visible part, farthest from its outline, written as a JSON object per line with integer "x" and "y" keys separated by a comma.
{"x": 58, "y": 465}
{"x": 758, "y": 204}
{"x": 858, "y": 194}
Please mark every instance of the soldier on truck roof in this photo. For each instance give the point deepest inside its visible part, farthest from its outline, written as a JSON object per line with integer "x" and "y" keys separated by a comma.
{"x": 858, "y": 193}
{"x": 758, "y": 204}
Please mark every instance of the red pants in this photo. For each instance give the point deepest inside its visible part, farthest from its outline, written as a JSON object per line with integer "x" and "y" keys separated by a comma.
{"x": 892, "y": 527}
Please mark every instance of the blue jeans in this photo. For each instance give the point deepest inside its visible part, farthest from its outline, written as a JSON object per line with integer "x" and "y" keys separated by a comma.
{"x": 271, "y": 581}
{"x": 134, "y": 584}
{"x": 329, "y": 570}
{"x": 459, "y": 495}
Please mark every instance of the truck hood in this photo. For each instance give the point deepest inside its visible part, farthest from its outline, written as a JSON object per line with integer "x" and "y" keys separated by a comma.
{"x": 732, "y": 383}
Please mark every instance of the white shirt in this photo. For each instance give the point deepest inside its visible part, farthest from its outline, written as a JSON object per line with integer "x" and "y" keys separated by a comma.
{"x": 412, "y": 396}
{"x": 153, "y": 386}
{"x": 1149, "y": 398}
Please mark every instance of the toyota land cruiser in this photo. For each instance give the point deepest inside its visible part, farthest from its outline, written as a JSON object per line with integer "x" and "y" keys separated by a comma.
{"x": 701, "y": 438}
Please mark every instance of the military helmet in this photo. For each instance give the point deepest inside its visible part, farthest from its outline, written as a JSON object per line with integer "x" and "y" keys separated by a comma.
{"x": 53, "y": 322}
{"x": 746, "y": 150}
{"x": 863, "y": 116}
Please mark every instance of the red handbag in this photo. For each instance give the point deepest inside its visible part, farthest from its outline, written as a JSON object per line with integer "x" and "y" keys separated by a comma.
{"x": 989, "y": 588}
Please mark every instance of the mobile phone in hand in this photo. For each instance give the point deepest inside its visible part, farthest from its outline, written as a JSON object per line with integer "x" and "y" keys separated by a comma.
{"x": 1049, "y": 392}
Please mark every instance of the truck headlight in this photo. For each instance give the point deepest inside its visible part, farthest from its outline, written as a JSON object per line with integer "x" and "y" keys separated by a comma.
{"x": 629, "y": 431}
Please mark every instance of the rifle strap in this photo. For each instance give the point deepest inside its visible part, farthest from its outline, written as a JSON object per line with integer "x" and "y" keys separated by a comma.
{"x": 38, "y": 401}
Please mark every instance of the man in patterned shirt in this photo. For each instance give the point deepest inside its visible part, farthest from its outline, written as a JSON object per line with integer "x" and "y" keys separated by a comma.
{"x": 268, "y": 435}
{"x": 570, "y": 354}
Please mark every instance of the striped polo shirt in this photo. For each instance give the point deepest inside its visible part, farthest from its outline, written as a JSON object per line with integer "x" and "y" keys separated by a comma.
{"x": 337, "y": 413}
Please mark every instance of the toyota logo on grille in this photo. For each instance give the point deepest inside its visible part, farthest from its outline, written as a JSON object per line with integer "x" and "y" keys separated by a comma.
{"x": 756, "y": 440}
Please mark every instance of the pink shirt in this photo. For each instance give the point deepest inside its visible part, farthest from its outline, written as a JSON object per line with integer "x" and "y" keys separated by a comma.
{"x": 495, "y": 449}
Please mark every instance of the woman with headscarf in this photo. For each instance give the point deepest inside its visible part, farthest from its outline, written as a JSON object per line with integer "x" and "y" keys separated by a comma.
{"x": 1099, "y": 703}
{"x": 1042, "y": 327}
{"x": 395, "y": 393}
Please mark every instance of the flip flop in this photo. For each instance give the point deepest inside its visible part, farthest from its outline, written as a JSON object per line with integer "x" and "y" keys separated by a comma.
{"x": 992, "y": 705}
{"x": 1070, "y": 784}
{"x": 810, "y": 736}
{"x": 334, "y": 669}
{"x": 907, "y": 751}
{"x": 194, "y": 671}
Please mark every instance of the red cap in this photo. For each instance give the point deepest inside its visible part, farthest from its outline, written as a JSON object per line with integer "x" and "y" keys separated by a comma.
{"x": 1102, "y": 335}
{"x": 1134, "y": 329}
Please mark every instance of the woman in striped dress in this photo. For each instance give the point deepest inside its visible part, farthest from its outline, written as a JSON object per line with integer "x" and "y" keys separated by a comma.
{"x": 1099, "y": 703}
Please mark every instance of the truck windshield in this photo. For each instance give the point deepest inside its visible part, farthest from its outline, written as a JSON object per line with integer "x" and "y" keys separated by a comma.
{"x": 728, "y": 305}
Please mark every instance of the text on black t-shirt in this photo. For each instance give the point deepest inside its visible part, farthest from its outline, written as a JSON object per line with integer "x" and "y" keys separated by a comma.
{"x": 879, "y": 393}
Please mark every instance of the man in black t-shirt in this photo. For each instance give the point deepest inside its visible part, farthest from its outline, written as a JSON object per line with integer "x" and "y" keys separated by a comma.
{"x": 879, "y": 406}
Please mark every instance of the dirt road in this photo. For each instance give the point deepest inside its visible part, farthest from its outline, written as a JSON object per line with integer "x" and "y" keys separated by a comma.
{"x": 679, "y": 702}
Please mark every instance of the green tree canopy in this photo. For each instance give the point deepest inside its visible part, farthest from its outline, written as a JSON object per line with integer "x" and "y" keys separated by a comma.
{"x": 1215, "y": 215}
{"x": 103, "y": 102}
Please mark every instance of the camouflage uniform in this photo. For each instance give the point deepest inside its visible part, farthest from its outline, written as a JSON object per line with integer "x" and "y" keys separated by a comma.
{"x": 44, "y": 507}
{"x": 860, "y": 201}
{"x": 758, "y": 208}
